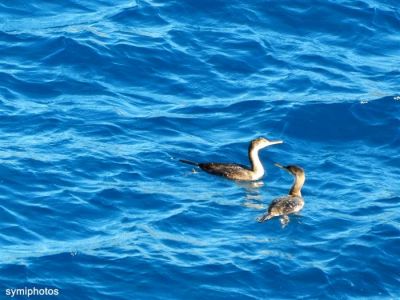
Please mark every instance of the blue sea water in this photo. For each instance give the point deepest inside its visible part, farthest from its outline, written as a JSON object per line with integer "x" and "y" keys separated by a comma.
{"x": 98, "y": 100}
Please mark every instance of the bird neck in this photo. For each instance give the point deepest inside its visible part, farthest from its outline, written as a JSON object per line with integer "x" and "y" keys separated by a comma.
{"x": 297, "y": 185}
{"x": 255, "y": 163}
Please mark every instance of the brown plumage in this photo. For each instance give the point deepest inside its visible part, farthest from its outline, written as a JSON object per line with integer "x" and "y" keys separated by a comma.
{"x": 292, "y": 203}
{"x": 238, "y": 171}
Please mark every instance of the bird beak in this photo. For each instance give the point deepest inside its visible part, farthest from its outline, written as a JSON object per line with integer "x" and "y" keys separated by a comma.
{"x": 275, "y": 142}
{"x": 281, "y": 167}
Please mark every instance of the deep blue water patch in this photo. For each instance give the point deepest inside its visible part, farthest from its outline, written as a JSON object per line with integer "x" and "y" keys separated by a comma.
{"x": 98, "y": 100}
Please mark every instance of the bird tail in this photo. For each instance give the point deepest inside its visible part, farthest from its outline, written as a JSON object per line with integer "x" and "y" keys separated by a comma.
{"x": 189, "y": 162}
{"x": 264, "y": 217}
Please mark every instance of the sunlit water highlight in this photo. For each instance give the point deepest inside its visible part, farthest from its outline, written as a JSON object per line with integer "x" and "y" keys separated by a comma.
{"x": 99, "y": 99}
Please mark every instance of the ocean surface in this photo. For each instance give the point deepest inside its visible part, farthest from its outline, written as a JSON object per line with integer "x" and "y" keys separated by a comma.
{"x": 99, "y": 99}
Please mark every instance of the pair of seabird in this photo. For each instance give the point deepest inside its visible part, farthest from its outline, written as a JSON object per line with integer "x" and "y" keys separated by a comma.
{"x": 282, "y": 206}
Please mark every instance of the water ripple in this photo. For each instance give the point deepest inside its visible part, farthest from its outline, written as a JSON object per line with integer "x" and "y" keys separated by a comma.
{"x": 99, "y": 100}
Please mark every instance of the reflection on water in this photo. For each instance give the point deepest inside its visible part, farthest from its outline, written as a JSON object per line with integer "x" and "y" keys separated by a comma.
{"x": 253, "y": 198}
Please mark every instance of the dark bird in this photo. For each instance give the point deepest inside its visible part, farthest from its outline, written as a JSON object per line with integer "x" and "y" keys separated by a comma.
{"x": 292, "y": 203}
{"x": 238, "y": 171}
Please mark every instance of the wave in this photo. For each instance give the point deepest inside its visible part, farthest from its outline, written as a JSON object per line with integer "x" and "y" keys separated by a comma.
{"x": 100, "y": 99}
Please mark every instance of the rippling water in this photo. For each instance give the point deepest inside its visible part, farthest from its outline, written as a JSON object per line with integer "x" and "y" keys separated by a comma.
{"x": 98, "y": 100}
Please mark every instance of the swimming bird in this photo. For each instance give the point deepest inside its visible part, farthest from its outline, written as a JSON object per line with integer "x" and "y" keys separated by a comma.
{"x": 292, "y": 203}
{"x": 238, "y": 171}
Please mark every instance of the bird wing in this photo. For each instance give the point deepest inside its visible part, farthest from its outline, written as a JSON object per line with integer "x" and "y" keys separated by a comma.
{"x": 285, "y": 205}
{"x": 223, "y": 169}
